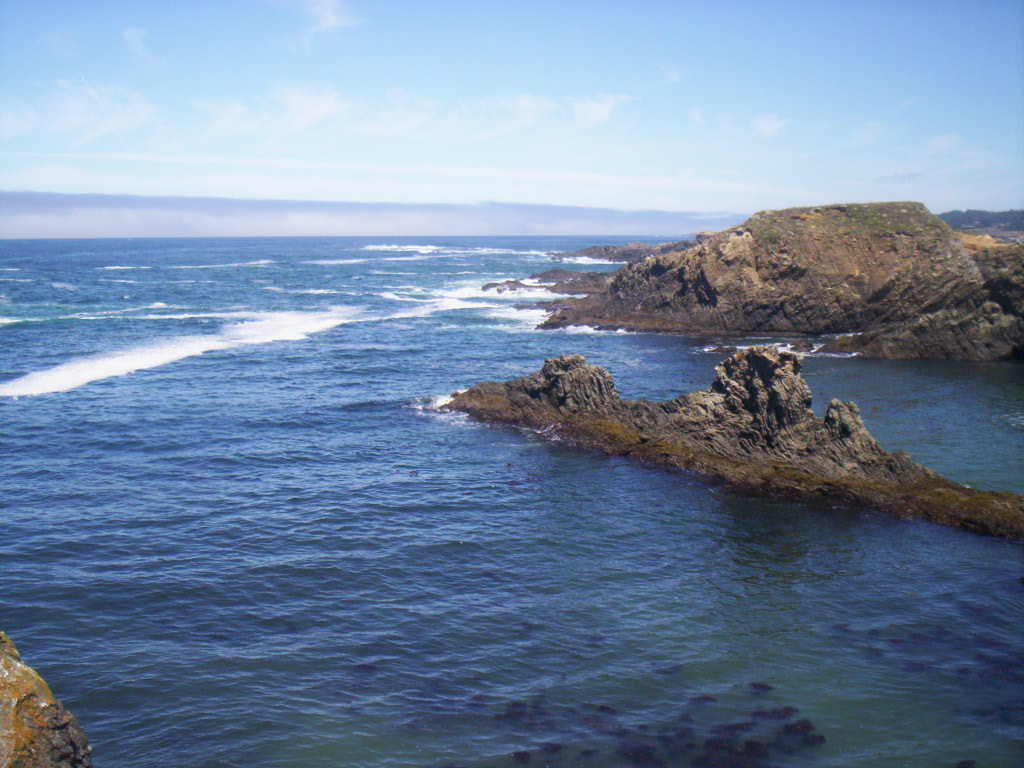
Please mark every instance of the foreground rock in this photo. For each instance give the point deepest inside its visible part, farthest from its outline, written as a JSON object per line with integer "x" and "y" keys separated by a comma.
{"x": 35, "y": 730}
{"x": 753, "y": 428}
{"x": 893, "y": 275}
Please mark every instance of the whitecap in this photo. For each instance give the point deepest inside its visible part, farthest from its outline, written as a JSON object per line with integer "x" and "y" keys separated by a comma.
{"x": 330, "y": 262}
{"x": 405, "y": 248}
{"x": 260, "y": 263}
{"x": 302, "y": 291}
{"x": 518, "y": 320}
{"x": 259, "y": 328}
{"x": 119, "y": 266}
{"x": 588, "y": 260}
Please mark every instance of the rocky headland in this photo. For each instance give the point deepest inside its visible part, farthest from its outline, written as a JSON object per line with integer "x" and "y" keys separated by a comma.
{"x": 35, "y": 730}
{"x": 752, "y": 428}
{"x": 887, "y": 279}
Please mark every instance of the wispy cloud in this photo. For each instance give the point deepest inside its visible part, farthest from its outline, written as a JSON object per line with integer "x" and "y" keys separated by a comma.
{"x": 504, "y": 115}
{"x": 671, "y": 75}
{"x": 88, "y": 111}
{"x": 398, "y": 113}
{"x": 322, "y": 17}
{"x": 62, "y": 43}
{"x": 329, "y": 14}
{"x": 135, "y": 41}
{"x": 597, "y": 109}
{"x": 944, "y": 144}
{"x": 768, "y": 125}
{"x": 15, "y": 119}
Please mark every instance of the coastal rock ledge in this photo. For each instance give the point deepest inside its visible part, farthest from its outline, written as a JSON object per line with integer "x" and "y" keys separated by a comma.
{"x": 753, "y": 428}
{"x": 35, "y": 730}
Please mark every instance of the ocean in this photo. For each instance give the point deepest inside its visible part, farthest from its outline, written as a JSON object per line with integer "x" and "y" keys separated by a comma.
{"x": 238, "y": 533}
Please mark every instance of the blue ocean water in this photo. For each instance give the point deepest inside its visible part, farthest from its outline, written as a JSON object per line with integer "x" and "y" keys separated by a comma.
{"x": 238, "y": 533}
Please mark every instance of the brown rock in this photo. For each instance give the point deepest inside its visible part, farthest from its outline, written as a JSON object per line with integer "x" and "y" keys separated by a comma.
{"x": 753, "y": 428}
{"x": 892, "y": 273}
{"x": 35, "y": 730}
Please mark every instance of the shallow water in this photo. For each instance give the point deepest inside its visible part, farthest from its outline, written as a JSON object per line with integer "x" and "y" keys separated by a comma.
{"x": 238, "y": 534}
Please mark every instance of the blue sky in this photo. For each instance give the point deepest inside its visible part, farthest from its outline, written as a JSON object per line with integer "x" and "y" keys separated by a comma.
{"x": 676, "y": 106}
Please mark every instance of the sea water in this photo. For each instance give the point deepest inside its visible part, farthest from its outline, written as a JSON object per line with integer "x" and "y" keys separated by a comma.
{"x": 237, "y": 531}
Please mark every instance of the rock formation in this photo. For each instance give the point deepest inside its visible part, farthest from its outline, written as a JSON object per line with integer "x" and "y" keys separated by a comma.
{"x": 629, "y": 253}
{"x": 892, "y": 274}
{"x": 753, "y": 428}
{"x": 563, "y": 281}
{"x": 35, "y": 730}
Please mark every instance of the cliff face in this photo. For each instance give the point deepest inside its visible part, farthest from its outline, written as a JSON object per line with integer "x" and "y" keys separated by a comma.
{"x": 753, "y": 428}
{"x": 890, "y": 270}
{"x": 35, "y": 730}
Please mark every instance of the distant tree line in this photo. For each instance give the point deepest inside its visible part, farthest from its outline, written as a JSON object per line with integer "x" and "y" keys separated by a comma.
{"x": 1011, "y": 221}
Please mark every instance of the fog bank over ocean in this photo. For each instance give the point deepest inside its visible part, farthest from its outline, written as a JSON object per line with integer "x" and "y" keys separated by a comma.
{"x": 50, "y": 215}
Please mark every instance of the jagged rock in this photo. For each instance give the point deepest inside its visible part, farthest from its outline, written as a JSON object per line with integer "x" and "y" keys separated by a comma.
{"x": 35, "y": 730}
{"x": 563, "y": 281}
{"x": 569, "y": 281}
{"x": 753, "y": 428}
{"x": 891, "y": 273}
{"x": 506, "y": 285}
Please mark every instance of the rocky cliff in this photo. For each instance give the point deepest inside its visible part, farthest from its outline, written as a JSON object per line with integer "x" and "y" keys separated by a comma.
{"x": 753, "y": 428}
{"x": 892, "y": 274}
{"x": 35, "y": 730}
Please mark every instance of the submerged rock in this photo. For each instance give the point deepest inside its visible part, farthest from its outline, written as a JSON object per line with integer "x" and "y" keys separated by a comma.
{"x": 753, "y": 428}
{"x": 35, "y": 730}
{"x": 892, "y": 274}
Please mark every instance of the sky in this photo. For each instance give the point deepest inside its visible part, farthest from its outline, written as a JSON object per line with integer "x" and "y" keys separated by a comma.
{"x": 718, "y": 108}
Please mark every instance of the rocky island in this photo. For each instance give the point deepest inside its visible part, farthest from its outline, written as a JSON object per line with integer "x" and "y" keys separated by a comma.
{"x": 890, "y": 279}
{"x": 35, "y": 730}
{"x": 753, "y": 428}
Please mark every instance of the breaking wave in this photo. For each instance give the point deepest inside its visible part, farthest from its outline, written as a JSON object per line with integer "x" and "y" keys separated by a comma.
{"x": 260, "y": 328}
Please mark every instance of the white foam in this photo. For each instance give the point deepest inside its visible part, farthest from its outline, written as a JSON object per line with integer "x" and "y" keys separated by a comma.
{"x": 118, "y": 266}
{"x": 395, "y": 297}
{"x": 431, "y": 306}
{"x": 115, "y": 280}
{"x": 252, "y": 328}
{"x": 405, "y": 248}
{"x": 581, "y": 329}
{"x": 16, "y": 280}
{"x": 65, "y": 286}
{"x": 10, "y": 269}
{"x": 518, "y": 320}
{"x": 588, "y": 260}
{"x": 260, "y": 263}
{"x": 421, "y": 257}
{"x": 261, "y": 328}
{"x": 781, "y": 346}
{"x": 301, "y": 292}
{"x": 330, "y": 262}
